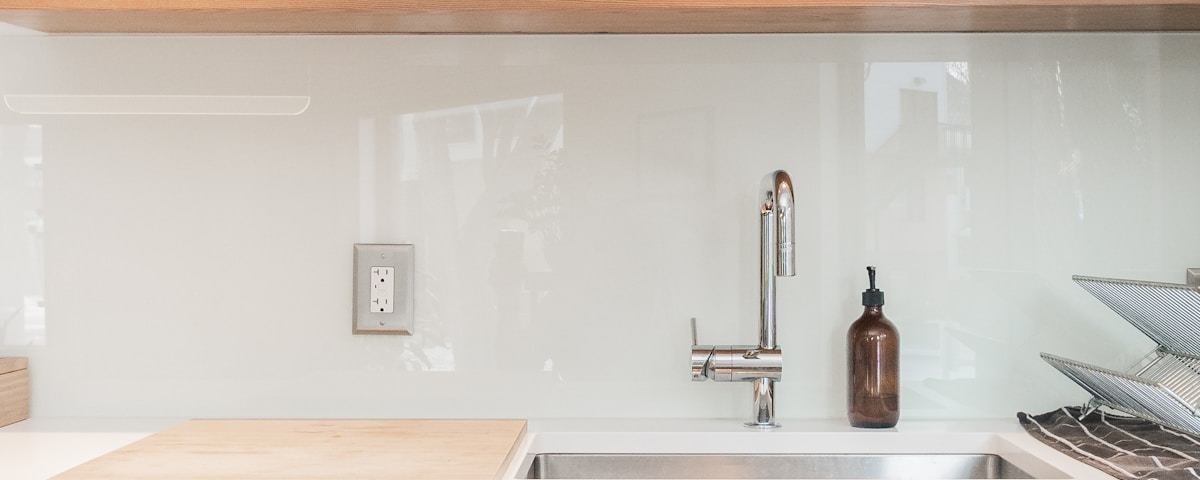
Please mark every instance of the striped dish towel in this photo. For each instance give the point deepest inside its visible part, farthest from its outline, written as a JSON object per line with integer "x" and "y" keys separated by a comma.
{"x": 1124, "y": 447}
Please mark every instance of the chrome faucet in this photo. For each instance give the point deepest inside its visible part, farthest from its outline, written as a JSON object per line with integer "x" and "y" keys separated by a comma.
{"x": 762, "y": 363}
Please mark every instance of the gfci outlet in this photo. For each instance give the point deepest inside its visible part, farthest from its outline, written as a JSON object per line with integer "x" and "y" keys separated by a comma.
{"x": 383, "y": 288}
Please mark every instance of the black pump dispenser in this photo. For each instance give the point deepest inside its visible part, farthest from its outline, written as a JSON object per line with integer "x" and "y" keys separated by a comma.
{"x": 872, "y": 297}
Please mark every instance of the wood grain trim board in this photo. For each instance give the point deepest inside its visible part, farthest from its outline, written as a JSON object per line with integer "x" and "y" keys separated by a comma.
{"x": 14, "y": 390}
{"x": 597, "y": 16}
{"x": 12, "y": 364}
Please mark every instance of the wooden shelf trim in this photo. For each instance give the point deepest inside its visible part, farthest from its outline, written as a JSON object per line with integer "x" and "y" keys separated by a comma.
{"x": 595, "y": 16}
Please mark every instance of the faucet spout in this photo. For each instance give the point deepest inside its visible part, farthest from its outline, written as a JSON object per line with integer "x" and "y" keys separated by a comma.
{"x": 777, "y": 253}
{"x": 778, "y": 259}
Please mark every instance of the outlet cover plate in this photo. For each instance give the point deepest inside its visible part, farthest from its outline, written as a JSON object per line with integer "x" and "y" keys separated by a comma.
{"x": 401, "y": 257}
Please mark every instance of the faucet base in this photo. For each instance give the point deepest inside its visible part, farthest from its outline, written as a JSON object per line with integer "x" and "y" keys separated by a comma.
{"x": 764, "y": 404}
{"x": 762, "y": 426}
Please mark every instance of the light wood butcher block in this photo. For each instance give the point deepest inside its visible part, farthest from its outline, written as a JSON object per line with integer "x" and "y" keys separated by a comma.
{"x": 14, "y": 390}
{"x": 313, "y": 449}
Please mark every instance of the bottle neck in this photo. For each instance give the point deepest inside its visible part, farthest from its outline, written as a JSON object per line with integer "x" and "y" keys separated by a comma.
{"x": 873, "y": 310}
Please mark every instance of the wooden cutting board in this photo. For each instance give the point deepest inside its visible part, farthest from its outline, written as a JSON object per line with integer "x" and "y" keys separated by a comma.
{"x": 314, "y": 449}
{"x": 14, "y": 390}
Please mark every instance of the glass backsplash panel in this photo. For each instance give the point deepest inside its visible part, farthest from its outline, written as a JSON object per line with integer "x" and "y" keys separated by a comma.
{"x": 574, "y": 200}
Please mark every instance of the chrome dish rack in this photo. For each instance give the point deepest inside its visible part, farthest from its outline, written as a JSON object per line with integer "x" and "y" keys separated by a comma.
{"x": 1163, "y": 387}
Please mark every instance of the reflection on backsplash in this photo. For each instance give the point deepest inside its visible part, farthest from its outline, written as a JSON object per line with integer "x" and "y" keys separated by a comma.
{"x": 977, "y": 171}
{"x": 22, "y": 313}
{"x": 957, "y": 205}
{"x": 497, "y": 163}
{"x": 918, "y": 139}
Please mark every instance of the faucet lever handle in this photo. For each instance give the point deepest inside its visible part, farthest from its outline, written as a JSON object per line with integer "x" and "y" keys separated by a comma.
{"x": 702, "y": 368}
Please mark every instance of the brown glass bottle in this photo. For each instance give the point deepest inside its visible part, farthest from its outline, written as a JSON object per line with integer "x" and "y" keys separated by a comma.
{"x": 873, "y": 365}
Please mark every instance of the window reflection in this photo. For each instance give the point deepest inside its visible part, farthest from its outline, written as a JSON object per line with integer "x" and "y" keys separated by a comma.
{"x": 984, "y": 183}
{"x": 918, "y": 135}
{"x": 22, "y": 309}
{"x": 485, "y": 176}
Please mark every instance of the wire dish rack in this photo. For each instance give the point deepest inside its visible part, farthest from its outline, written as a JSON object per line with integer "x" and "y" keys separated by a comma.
{"x": 1164, "y": 386}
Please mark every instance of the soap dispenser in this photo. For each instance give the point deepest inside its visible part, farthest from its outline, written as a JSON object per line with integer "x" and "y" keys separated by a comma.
{"x": 873, "y": 364}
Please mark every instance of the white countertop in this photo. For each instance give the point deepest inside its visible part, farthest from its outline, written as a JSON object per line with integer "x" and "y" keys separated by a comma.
{"x": 40, "y": 448}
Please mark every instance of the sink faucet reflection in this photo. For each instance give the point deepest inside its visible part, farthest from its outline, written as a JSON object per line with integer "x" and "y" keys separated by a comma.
{"x": 762, "y": 363}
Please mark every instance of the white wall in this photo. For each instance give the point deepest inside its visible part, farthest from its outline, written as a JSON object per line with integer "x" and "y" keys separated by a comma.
{"x": 575, "y": 199}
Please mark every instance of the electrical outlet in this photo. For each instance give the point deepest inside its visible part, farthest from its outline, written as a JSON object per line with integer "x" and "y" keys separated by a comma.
{"x": 383, "y": 288}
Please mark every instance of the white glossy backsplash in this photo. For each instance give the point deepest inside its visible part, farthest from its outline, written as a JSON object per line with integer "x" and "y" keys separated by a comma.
{"x": 573, "y": 201}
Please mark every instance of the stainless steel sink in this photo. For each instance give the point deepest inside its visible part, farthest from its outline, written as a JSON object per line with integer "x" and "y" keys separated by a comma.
{"x": 767, "y": 466}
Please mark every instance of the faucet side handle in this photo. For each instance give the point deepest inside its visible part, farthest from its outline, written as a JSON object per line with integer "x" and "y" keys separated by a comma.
{"x": 701, "y": 358}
